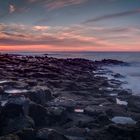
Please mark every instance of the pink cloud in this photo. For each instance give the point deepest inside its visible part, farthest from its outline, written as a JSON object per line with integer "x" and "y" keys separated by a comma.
{"x": 70, "y": 38}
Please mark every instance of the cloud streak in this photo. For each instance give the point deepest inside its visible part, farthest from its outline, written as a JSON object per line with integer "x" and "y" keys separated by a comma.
{"x": 53, "y": 4}
{"x": 12, "y": 8}
{"x": 57, "y": 4}
{"x": 115, "y": 15}
{"x": 71, "y": 37}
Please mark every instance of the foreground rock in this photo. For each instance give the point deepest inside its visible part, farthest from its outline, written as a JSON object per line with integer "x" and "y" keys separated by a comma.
{"x": 64, "y": 99}
{"x": 50, "y": 134}
{"x": 116, "y": 132}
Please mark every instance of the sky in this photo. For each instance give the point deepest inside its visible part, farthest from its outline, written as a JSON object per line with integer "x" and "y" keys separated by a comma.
{"x": 69, "y": 25}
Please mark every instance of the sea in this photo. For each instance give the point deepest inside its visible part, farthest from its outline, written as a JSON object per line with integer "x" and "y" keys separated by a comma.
{"x": 130, "y": 72}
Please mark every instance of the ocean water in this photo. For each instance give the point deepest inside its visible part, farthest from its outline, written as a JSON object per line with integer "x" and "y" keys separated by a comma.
{"x": 131, "y": 72}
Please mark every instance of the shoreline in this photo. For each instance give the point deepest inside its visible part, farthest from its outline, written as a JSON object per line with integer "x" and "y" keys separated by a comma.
{"x": 64, "y": 98}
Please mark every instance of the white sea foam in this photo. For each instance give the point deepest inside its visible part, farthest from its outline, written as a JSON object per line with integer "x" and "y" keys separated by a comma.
{"x": 132, "y": 76}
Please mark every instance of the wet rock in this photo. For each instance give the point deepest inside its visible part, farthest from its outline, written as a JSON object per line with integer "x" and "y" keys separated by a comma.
{"x": 27, "y": 134}
{"x": 1, "y": 90}
{"x": 118, "y": 75}
{"x": 31, "y": 83}
{"x": 76, "y": 131}
{"x": 49, "y": 75}
{"x": 95, "y": 110}
{"x": 103, "y": 120}
{"x": 124, "y": 132}
{"x": 49, "y": 134}
{"x": 111, "y": 99}
{"x": 134, "y": 104}
{"x": 21, "y": 85}
{"x": 111, "y": 62}
{"x": 125, "y": 93}
{"x": 69, "y": 104}
{"x": 40, "y": 95}
{"x": 83, "y": 98}
{"x": 79, "y": 120}
{"x": 111, "y": 110}
{"x": 57, "y": 115}
{"x": 10, "y": 137}
{"x": 39, "y": 114}
{"x": 56, "y": 111}
{"x": 15, "y": 105}
{"x": 11, "y": 110}
{"x": 8, "y": 83}
{"x": 10, "y": 125}
{"x": 115, "y": 83}
{"x": 115, "y": 132}
{"x": 72, "y": 86}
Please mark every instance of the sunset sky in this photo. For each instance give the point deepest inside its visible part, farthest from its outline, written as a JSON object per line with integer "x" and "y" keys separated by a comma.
{"x": 70, "y": 25}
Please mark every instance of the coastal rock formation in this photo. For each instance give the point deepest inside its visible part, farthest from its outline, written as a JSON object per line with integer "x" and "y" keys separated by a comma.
{"x": 64, "y": 99}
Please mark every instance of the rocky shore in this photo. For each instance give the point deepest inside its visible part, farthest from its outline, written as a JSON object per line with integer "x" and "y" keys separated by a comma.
{"x": 44, "y": 98}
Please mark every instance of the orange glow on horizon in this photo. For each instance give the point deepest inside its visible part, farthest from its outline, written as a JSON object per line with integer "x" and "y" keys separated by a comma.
{"x": 40, "y": 48}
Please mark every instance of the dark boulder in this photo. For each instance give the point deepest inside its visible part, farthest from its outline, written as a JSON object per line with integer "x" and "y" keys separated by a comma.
{"x": 115, "y": 132}
{"x": 10, "y": 137}
{"x": 17, "y": 103}
{"x": 117, "y": 75}
{"x": 103, "y": 120}
{"x": 78, "y": 119}
{"x": 1, "y": 90}
{"x": 27, "y": 134}
{"x": 95, "y": 110}
{"x": 11, "y": 110}
{"x": 40, "y": 95}
{"x": 57, "y": 115}
{"x": 38, "y": 113}
{"x": 49, "y": 134}
{"x": 76, "y": 131}
{"x": 69, "y": 104}
{"x": 10, "y": 125}
{"x": 125, "y": 93}
{"x": 134, "y": 103}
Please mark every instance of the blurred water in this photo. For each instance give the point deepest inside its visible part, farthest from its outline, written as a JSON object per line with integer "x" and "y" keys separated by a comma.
{"x": 131, "y": 72}
{"x": 132, "y": 76}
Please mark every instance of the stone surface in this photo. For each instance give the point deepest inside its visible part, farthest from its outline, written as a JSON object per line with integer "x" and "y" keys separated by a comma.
{"x": 49, "y": 134}
{"x": 59, "y": 99}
